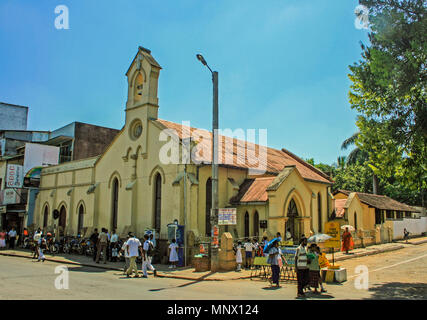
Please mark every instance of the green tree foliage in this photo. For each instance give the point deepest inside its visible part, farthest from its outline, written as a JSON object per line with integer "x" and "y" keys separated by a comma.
{"x": 389, "y": 91}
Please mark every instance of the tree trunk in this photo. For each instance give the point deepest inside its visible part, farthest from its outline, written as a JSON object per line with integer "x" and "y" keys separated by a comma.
{"x": 375, "y": 184}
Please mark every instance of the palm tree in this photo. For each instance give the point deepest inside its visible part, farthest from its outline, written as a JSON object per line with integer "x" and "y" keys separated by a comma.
{"x": 358, "y": 156}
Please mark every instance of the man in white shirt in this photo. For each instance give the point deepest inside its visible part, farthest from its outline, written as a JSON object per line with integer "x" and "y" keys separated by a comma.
{"x": 127, "y": 260}
{"x": 36, "y": 238}
{"x": 249, "y": 248}
{"x": 133, "y": 245}
{"x": 113, "y": 242}
{"x": 12, "y": 238}
{"x": 147, "y": 255}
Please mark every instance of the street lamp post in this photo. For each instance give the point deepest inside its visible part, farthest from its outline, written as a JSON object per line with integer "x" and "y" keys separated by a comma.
{"x": 214, "y": 210}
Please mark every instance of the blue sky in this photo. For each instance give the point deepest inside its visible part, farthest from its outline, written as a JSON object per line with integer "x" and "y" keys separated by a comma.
{"x": 282, "y": 65}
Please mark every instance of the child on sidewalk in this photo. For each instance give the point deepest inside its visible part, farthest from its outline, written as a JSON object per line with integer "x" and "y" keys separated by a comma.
{"x": 238, "y": 252}
{"x": 173, "y": 254}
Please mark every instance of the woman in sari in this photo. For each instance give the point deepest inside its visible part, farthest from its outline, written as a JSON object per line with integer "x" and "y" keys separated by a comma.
{"x": 347, "y": 241}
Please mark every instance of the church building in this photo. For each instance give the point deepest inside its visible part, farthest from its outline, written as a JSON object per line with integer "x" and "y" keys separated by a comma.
{"x": 130, "y": 186}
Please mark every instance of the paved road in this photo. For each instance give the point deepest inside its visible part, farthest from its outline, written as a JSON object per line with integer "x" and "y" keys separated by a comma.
{"x": 400, "y": 274}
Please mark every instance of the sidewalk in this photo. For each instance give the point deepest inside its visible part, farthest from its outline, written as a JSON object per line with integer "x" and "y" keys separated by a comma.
{"x": 361, "y": 252}
{"x": 415, "y": 241}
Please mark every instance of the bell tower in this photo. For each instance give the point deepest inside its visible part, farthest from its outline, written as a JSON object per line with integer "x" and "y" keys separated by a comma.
{"x": 143, "y": 75}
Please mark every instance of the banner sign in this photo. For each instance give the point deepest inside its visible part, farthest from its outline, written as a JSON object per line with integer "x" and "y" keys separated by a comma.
{"x": 14, "y": 176}
{"x": 10, "y": 196}
{"x": 227, "y": 216}
{"x": 40, "y": 155}
{"x": 333, "y": 229}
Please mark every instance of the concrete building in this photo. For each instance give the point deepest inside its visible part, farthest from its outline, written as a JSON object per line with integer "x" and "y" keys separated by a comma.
{"x": 139, "y": 182}
{"x": 76, "y": 141}
{"x": 13, "y": 117}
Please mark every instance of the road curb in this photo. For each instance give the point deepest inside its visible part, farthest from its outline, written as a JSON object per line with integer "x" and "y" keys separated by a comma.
{"x": 159, "y": 275}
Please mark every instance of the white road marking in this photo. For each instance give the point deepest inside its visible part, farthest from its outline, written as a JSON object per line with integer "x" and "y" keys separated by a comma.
{"x": 394, "y": 265}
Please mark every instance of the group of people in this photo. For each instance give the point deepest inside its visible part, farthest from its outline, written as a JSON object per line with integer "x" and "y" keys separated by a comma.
{"x": 105, "y": 243}
{"x": 132, "y": 248}
{"x": 9, "y": 237}
{"x": 308, "y": 261}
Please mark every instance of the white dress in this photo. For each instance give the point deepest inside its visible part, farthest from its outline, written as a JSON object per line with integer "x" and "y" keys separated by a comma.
{"x": 173, "y": 256}
{"x": 239, "y": 255}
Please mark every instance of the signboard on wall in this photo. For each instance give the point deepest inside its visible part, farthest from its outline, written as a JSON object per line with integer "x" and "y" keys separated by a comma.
{"x": 227, "y": 216}
{"x": 333, "y": 229}
{"x": 10, "y": 196}
{"x": 14, "y": 176}
{"x": 40, "y": 155}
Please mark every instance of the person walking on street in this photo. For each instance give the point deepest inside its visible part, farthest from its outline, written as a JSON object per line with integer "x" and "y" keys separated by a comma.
{"x": 313, "y": 266}
{"x": 94, "y": 241}
{"x": 406, "y": 235}
{"x": 133, "y": 247}
{"x": 249, "y": 248}
{"x": 301, "y": 266}
{"x": 41, "y": 246}
{"x": 113, "y": 244}
{"x": 173, "y": 254}
{"x": 102, "y": 245}
{"x": 323, "y": 262}
{"x": 12, "y": 238}
{"x": 36, "y": 238}
{"x": 147, "y": 256}
{"x": 124, "y": 251}
{"x": 3, "y": 239}
{"x": 275, "y": 260}
{"x": 347, "y": 241}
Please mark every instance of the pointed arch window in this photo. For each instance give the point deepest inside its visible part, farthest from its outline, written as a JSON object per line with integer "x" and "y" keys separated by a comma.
{"x": 158, "y": 202}
{"x": 246, "y": 224}
{"x": 45, "y": 216}
{"x": 62, "y": 218}
{"x": 256, "y": 224}
{"x": 80, "y": 219}
{"x": 355, "y": 220}
{"x": 115, "y": 203}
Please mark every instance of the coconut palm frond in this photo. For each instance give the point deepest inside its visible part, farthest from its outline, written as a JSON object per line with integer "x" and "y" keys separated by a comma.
{"x": 350, "y": 141}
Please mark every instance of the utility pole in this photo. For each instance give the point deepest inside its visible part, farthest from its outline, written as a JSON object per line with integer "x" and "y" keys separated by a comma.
{"x": 214, "y": 215}
{"x": 214, "y": 209}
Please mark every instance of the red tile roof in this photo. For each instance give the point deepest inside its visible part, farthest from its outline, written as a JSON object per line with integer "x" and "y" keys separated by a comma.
{"x": 339, "y": 207}
{"x": 380, "y": 202}
{"x": 276, "y": 161}
{"x": 253, "y": 190}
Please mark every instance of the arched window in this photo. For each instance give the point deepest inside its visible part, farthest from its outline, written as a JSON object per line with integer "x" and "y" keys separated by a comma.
{"x": 319, "y": 212}
{"x": 45, "y": 216}
{"x": 115, "y": 203}
{"x": 256, "y": 224}
{"x": 62, "y": 217}
{"x": 158, "y": 202}
{"x": 208, "y": 206}
{"x": 355, "y": 220}
{"x": 80, "y": 220}
{"x": 291, "y": 223}
{"x": 246, "y": 224}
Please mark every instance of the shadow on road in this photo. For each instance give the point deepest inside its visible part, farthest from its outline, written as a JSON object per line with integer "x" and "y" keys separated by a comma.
{"x": 399, "y": 291}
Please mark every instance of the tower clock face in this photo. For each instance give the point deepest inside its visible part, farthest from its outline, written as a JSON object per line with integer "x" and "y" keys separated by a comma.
{"x": 135, "y": 129}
